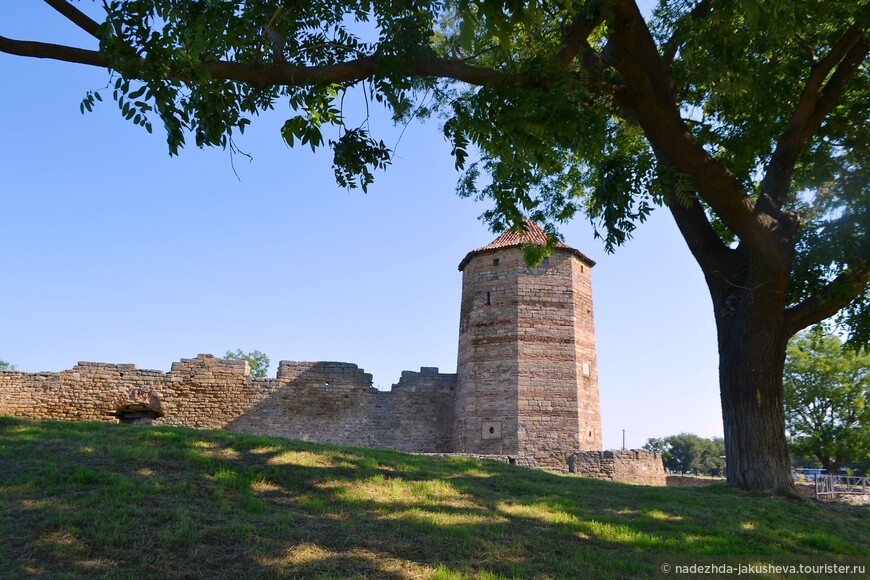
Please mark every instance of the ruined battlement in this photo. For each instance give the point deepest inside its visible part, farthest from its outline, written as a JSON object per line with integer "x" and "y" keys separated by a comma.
{"x": 324, "y": 401}
{"x": 208, "y": 363}
{"x": 327, "y": 374}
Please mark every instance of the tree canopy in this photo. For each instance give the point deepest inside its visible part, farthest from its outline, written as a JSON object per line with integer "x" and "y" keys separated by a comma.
{"x": 747, "y": 120}
{"x": 257, "y": 360}
{"x": 5, "y": 366}
{"x": 689, "y": 453}
{"x": 827, "y": 400}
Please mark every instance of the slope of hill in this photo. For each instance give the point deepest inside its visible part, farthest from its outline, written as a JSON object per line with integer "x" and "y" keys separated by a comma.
{"x": 95, "y": 500}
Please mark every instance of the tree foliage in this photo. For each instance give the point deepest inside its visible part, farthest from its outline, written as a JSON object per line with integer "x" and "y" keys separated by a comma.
{"x": 5, "y": 366}
{"x": 827, "y": 400}
{"x": 257, "y": 360}
{"x": 689, "y": 453}
{"x": 747, "y": 120}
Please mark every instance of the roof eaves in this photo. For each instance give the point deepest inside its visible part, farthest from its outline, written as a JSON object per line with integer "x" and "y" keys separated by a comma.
{"x": 487, "y": 249}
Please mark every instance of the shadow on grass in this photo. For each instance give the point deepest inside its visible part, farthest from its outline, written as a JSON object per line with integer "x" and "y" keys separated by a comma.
{"x": 85, "y": 499}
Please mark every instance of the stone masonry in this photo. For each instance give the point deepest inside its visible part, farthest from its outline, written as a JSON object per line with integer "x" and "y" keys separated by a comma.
{"x": 526, "y": 388}
{"x": 634, "y": 465}
{"x": 319, "y": 401}
{"x": 527, "y": 377}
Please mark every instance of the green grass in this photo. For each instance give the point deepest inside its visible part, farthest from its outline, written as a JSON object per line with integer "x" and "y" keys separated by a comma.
{"x": 100, "y": 500}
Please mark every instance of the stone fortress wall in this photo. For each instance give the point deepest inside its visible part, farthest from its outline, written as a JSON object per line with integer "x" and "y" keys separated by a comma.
{"x": 320, "y": 401}
{"x": 330, "y": 402}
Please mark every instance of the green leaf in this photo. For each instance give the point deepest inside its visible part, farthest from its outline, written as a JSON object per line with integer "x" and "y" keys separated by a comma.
{"x": 137, "y": 93}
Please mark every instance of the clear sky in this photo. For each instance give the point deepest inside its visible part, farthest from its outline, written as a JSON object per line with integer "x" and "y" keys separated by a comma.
{"x": 114, "y": 252}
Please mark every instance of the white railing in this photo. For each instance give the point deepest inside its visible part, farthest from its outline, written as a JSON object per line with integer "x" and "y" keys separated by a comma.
{"x": 834, "y": 485}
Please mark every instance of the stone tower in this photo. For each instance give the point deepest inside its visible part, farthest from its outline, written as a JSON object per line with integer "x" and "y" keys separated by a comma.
{"x": 527, "y": 379}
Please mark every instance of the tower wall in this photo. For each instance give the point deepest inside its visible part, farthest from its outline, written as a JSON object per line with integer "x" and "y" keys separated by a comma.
{"x": 485, "y": 418}
{"x": 526, "y": 361}
{"x": 589, "y": 403}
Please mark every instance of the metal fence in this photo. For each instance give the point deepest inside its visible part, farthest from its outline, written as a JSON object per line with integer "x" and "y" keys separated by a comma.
{"x": 834, "y": 485}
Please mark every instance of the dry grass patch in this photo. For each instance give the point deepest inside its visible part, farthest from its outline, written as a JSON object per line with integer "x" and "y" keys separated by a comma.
{"x": 658, "y": 514}
{"x": 223, "y": 453}
{"x": 264, "y": 486}
{"x": 310, "y": 558}
{"x": 442, "y": 519}
{"x": 265, "y": 449}
{"x": 383, "y": 490}
{"x": 300, "y": 459}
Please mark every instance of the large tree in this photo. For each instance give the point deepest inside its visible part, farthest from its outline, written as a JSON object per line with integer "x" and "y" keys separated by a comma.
{"x": 827, "y": 400}
{"x": 747, "y": 119}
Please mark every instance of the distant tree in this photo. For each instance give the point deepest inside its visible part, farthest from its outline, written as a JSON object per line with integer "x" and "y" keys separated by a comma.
{"x": 5, "y": 366}
{"x": 657, "y": 444}
{"x": 827, "y": 399}
{"x": 257, "y": 360}
{"x": 711, "y": 461}
{"x": 688, "y": 452}
{"x": 682, "y": 452}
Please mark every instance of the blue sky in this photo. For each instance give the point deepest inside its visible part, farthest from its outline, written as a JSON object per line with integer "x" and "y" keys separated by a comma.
{"x": 114, "y": 252}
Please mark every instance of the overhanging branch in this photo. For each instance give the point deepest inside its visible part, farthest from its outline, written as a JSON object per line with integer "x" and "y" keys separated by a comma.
{"x": 53, "y": 51}
{"x": 835, "y": 296}
{"x": 279, "y": 73}
{"x": 76, "y": 16}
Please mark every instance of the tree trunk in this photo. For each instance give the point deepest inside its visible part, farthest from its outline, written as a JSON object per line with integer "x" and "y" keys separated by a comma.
{"x": 756, "y": 452}
{"x": 832, "y": 466}
{"x": 752, "y": 343}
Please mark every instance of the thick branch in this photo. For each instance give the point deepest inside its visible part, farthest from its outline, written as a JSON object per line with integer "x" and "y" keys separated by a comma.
{"x": 53, "y": 51}
{"x": 703, "y": 241}
{"x": 76, "y": 16}
{"x": 460, "y": 71}
{"x": 596, "y": 78}
{"x": 575, "y": 39}
{"x": 829, "y": 300}
{"x": 278, "y": 73}
{"x": 632, "y": 51}
{"x": 815, "y": 103}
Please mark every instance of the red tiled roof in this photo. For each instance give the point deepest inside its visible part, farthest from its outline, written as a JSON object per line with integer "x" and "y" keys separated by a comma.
{"x": 510, "y": 239}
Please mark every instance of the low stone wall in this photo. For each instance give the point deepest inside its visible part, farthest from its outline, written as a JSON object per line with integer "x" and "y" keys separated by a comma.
{"x": 631, "y": 466}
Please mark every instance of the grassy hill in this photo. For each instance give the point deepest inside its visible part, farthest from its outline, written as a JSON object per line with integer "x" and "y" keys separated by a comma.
{"x": 95, "y": 500}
